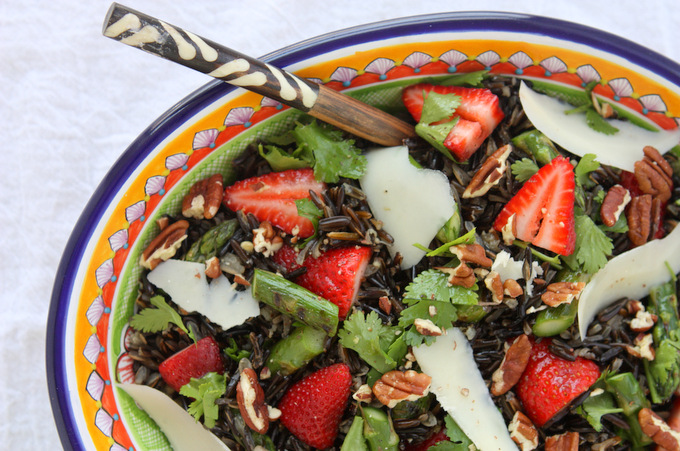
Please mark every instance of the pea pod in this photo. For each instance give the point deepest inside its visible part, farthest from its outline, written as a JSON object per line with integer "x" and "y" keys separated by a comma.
{"x": 295, "y": 301}
{"x": 211, "y": 242}
{"x": 296, "y": 350}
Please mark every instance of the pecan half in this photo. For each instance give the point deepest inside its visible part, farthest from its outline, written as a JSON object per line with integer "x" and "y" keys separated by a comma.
{"x": 614, "y": 204}
{"x": 472, "y": 253}
{"x": 165, "y": 245}
{"x": 658, "y": 430}
{"x": 639, "y": 216}
{"x": 212, "y": 268}
{"x": 512, "y": 288}
{"x": 462, "y": 275}
{"x": 250, "y": 399}
{"x": 654, "y": 174}
{"x": 563, "y": 442}
{"x": 523, "y": 432}
{"x": 396, "y": 386}
{"x": 561, "y": 293}
{"x": 204, "y": 198}
{"x": 514, "y": 362}
{"x": 489, "y": 174}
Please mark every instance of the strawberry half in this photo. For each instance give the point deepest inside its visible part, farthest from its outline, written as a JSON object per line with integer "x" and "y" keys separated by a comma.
{"x": 272, "y": 197}
{"x": 478, "y": 115}
{"x": 335, "y": 275}
{"x": 542, "y": 211}
{"x": 549, "y": 383}
{"x": 312, "y": 408}
{"x": 195, "y": 361}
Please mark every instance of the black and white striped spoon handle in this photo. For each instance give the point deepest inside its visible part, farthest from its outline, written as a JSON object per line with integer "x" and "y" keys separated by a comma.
{"x": 188, "y": 49}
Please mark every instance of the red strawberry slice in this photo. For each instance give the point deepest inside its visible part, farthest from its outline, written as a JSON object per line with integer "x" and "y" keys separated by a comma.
{"x": 195, "y": 361}
{"x": 313, "y": 407}
{"x": 542, "y": 211}
{"x": 272, "y": 196}
{"x": 335, "y": 275}
{"x": 549, "y": 383}
{"x": 477, "y": 106}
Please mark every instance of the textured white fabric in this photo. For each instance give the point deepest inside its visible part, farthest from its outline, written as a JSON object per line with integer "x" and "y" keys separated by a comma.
{"x": 73, "y": 100}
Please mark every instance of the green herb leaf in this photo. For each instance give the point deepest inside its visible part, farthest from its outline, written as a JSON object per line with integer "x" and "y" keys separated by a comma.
{"x": 446, "y": 314}
{"x": 474, "y": 79}
{"x": 280, "y": 160}
{"x": 595, "y": 406}
{"x": 334, "y": 156}
{"x": 523, "y": 169}
{"x": 205, "y": 391}
{"x": 592, "y": 246}
{"x": 433, "y": 285}
{"x": 370, "y": 338}
{"x": 583, "y": 169}
{"x": 437, "y": 107}
{"x": 443, "y": 250}
{"x": 234, "y": 353}
{"x": 436, "y": 134}
{"x": 598, "y": 123}
{"x": 158, "y": 319}
{"x": 306, "y": 208}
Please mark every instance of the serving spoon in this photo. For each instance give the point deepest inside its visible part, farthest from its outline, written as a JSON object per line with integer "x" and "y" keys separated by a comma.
{"x": 188, "y": 49}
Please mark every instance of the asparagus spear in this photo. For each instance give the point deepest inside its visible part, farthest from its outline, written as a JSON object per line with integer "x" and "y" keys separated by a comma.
{"x": 211, "y": 242}
{"x": 536, "y": 144}
{"x": 631, "y": 399}
{"x": 296, "y": 350}
{"x": 379, "y": 431}
{"x": 663, "y": 373}
{"x": 295, "y": 301}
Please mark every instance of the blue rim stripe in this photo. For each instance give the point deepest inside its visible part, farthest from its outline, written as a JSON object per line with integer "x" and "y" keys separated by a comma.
{"x": 192, "y": 104}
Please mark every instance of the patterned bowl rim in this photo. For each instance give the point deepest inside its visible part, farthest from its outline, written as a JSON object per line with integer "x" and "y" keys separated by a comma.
{"x": 164, "y": 126}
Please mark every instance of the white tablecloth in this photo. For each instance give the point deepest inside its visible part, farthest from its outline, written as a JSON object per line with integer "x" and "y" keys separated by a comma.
{"x": 73, "y": 100}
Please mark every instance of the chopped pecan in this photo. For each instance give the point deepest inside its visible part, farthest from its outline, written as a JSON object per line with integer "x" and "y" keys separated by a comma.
{"x": 653, "y": 175}
{"x": 495, "y": 286}
{"x": 512, "y": 288}
{"x": 644, "y": 347}
{"x": 462, "y": 275}
{"x": 658, "y": 430}
{"x": 212, "y": 268}
{"x": 639, "y": 216}
{"x": 385, "y": 304}
{"x": 250, "y": 399}
{"x": 363, "y": 394}
{"x": 514, "y": 362}
{"x": 266, "y": 240}
{"x": 643, "y": 321}
{"x": 561, "y": 293}
{"x": 614, "y": 204}
{"x": 204, "y": 198}
{"x": 489, "y": 174}
{"x": 563, "y": 442}
{"x": 165, "y": 245}
{"x": 427, "y": 327}
{"x": 471, "y": 253}
{"x": 633, "y": 306}
{"x": 523, "y": 432}
{"x": 396, "y": 386}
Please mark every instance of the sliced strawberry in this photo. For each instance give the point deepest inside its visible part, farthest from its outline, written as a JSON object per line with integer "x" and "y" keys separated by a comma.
{"x": 335, "y": 275}
{"x": 195, "y": 361}
{"x": 272, "y": 197}
{"x": 464, "y": 139}
{"x": 312, "y": 408}
{"x": 549, "y": 383}
{"x": 542, "y": 211}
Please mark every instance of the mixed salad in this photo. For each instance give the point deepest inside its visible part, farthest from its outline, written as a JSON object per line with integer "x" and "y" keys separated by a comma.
{"x": 480, "y": 287}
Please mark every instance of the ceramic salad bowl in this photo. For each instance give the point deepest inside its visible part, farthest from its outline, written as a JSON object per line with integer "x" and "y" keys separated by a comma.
{"x": 96, "y": 283}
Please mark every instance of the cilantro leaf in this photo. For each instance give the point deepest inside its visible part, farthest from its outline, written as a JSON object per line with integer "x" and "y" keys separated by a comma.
{"x": 308, "y": 209}
{"x": 334, "y": 156}
{"x": 474, "y": 79}
{"x": 621, "y": 226}
{"x": 233, "y": 351}
{"x": 433, "y": 285}
{"x": 437, "y": 107}
{"x": 370, "y": 338}
{"x": 280, "y": 160}
{"x": 436, "y": 134}
{"x": 523, "y": 169}
{"x": 446, "y": 314}
{"x": 158, "y": 319}
{"x": 592, "y": 246}
{"x": 598, "y": 123}
{"x": 583, "y": 169}
{"x": 597, "y": 405}
{"x": 205, "y": 391}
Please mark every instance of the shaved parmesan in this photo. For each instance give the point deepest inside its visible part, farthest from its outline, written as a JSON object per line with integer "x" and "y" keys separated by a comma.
{"x": 570, "y": 131}
{"x": 631, "y": 274}
{"x": 186, "y": 284}
{"x": 412, "y": 203}
{"x": 462, "y": 392}
{"x": 182, "y": 430}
